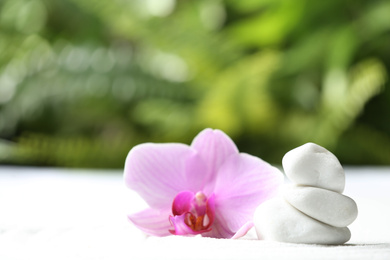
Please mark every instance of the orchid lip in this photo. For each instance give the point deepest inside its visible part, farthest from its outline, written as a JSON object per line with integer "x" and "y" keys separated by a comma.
{"x": 192, "y": 213}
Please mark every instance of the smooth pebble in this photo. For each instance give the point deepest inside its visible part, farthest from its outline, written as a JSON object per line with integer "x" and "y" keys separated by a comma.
{"x": 277, "y": 220}
{"x": 313, "y": 165}
{"x": 326, "y": 206}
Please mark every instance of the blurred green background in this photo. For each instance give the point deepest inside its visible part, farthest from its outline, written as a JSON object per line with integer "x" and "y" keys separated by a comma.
{"x": 83, "y": 81}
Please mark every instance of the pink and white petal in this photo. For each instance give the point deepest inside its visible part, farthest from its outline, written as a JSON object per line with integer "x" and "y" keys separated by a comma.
{"x": 153, "y": 222}
{"x": 214, "y": 147}
{"x": 243, "y": 230}
{"x": 159, "y": 171}
{"x": 243, "y": 183}
{"x": 182, "y": 202}
{"x": 196, "y": 173}
{"x": 219, "y": 229}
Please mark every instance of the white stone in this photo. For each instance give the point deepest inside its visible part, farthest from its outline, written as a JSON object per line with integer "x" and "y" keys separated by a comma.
{"x": 277, "y": 220}
{"x": 326, "y": 206}
{"x": 313, "y": 165}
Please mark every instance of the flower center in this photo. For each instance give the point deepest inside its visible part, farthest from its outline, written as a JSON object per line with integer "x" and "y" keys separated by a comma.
{"x": 192, "y": 213}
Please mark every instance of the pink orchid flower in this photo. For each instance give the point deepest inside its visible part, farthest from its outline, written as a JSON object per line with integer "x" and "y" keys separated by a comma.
{"x": 208, "y": 188}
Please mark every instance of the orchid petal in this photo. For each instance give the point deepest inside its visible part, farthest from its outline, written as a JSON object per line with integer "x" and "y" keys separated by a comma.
{"x": 152, "y": 222}
{"x": 159, "y": 171}
{"x": 243, "y": 230}
{"x": 219, "y": 229}
{"x": 214, "y": 147}
{"x": 182, "y": 202}
{"x": 244, "y": 182}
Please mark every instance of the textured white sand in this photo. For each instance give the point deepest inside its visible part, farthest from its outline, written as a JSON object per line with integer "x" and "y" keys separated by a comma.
{"x": 73, "y": 214}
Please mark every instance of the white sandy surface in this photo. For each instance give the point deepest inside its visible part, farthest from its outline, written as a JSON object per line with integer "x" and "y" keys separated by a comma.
{"x": 57, "y": 214}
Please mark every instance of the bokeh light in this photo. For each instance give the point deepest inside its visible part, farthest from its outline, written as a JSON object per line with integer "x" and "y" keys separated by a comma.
{"x": 83, "y": 81}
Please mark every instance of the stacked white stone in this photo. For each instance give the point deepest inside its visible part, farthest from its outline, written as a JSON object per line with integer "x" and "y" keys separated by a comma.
{"x": 312, "y": 210}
